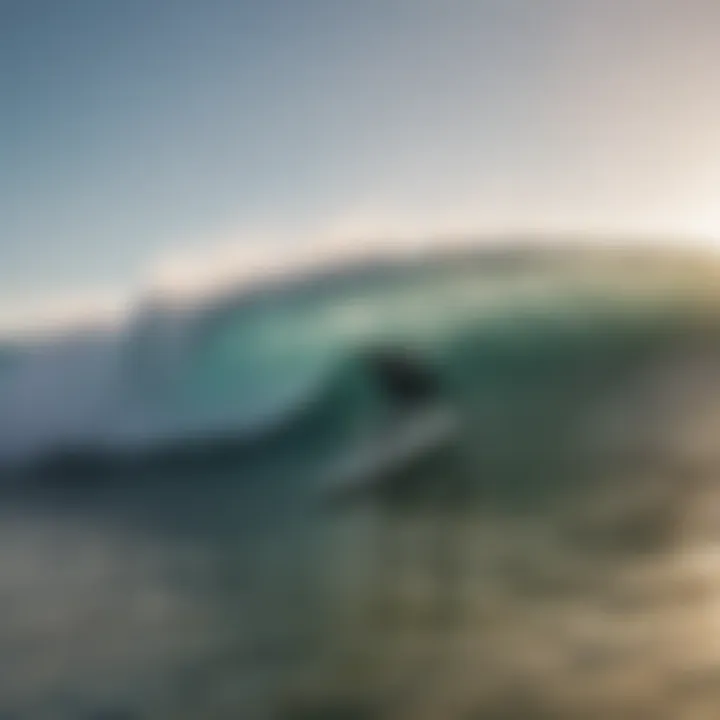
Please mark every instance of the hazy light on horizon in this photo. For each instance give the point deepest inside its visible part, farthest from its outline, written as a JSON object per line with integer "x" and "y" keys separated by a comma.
{"x": 149, "y": 136}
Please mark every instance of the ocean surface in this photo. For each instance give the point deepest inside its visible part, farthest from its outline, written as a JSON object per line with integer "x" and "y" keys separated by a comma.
{"x": 166, "y": 550}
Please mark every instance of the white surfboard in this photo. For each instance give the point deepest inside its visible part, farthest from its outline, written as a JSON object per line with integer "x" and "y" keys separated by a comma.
{"x": 393, "y": 450}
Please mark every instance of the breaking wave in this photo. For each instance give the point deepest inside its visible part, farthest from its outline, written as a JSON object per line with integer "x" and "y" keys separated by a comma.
{"x": 240, "y": 367}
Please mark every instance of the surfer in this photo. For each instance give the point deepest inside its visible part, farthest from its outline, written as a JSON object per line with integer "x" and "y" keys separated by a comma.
{"x": 404, "y": 381}
{"x": 416, "y": 422}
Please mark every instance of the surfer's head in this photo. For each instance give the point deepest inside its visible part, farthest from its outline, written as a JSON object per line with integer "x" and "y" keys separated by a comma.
{"x": 402, "y": 376}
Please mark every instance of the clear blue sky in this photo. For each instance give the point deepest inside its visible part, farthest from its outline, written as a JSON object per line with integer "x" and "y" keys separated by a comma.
{"x": 132, "y": 129}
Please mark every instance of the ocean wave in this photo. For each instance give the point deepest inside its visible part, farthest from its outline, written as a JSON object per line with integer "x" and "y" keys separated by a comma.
{"x": 226, "y": 374}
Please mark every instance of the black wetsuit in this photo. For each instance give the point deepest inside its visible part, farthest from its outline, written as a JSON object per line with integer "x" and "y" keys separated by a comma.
{"x": 404, "y": 381}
